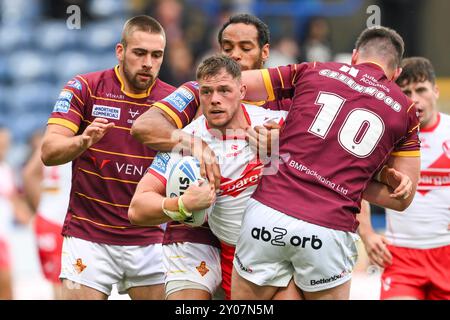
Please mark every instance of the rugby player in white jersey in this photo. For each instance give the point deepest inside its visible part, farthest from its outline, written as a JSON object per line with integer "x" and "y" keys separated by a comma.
{"x": 222, "y": 126}
{"x": 415, "y": 253}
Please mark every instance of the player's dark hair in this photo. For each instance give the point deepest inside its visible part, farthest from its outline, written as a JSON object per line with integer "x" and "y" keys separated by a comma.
{"x": 416, "y": 69}
{"x": 261, "y": 27}
{"x": 213, "y": 65}
{"x": 141, "y": 23}
{"x": 383, "y": 42}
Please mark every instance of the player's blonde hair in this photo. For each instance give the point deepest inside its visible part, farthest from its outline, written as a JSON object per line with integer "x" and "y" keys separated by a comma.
{"x": 141, "y": 23}
{"x": 213, "y": 65}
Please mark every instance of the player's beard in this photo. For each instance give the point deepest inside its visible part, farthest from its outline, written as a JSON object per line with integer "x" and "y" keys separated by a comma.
{"x": 133, "y": 80}
{"x": 259, "y": 64}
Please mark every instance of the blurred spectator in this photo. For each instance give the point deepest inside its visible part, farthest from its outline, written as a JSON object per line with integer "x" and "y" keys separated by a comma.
{"x": 12, "y": 209}
{"x": 285, "y": 52}
{"x": 179, "y": 66}
{"x": 316, "y": 44}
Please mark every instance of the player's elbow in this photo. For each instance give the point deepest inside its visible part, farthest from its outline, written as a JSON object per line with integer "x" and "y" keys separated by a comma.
{"x": 133, "y": 216}
{"x": 47, "y": 156}
{"x": 142, "y": 130}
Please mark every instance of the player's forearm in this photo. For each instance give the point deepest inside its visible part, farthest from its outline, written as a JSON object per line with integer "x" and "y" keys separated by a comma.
{"x": 32, "y": 177}
{"x": 146, "y": 209}
{"x": 365, "y": 224}
{"x": 58, "y": 149}
{"x": 154, "y": 130}
{"x": 379, "y": 194}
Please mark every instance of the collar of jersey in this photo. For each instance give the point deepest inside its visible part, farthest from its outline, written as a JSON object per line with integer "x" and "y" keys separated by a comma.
{"x": 132, "y": 95}
{"x": 434, "y": 126}
{"x": 232, "y": 137}
{"x": 377, "y": 66}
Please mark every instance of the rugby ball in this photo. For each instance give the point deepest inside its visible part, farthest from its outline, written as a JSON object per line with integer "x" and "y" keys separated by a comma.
{"x": 183, "y": 174}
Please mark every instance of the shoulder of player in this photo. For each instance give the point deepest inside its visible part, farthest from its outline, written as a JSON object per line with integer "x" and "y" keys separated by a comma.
{"x": 196, "y": 126}
{"x": 260, "y": 115}
{"x": 164, "y": 87}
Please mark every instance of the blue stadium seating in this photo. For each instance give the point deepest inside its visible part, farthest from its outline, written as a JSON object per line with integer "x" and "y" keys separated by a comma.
{"x": 29, "y": 65}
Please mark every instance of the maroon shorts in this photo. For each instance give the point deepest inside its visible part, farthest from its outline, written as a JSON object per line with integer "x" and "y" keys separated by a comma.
{"x": 419, "y": 273}
{"x": 49, "y": 241}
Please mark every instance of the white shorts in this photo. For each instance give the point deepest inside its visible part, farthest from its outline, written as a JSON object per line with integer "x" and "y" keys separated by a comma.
{"x": 99, "y": 266}
{"x": 273, "y": 247}
{"x": 193, "y": 262}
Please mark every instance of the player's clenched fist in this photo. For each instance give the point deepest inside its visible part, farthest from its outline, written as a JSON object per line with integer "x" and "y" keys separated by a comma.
{"x": 95, "y": 131}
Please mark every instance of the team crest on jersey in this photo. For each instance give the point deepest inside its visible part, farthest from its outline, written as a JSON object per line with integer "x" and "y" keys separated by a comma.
{"x": 160, "y": 162}
{"x": 79, "y": 266}
{"x": 106, "y": 112}
{"x": 74, "y": 83}
{"x": 202, "y": 268}
{"x": 180, "y": 98}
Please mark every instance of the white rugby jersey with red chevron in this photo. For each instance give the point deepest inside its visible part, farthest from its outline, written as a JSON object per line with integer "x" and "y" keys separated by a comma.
{"x": 239, "y": 169}
{"x": 426, "y": 222}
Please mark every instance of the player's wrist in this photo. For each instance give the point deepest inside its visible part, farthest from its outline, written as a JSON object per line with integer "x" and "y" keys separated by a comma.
{"x": 182, "y": 208}
{"x": 171, "y": 210}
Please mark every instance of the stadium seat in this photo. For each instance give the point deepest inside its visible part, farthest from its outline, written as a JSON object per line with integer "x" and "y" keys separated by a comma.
{"x": 68, "y": 64}
{"x": 13, "y": 37}
{"x": 54, "y": 36}
{"x": 102, "y": 36}
{"x": 108, "y": 8}
{"x": 31, "y": 97}
{"x": 24, "y": 124}
{"x": 29, "y": 65}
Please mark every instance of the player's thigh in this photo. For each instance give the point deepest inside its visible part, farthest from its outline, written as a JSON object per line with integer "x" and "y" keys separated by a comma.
{"x": 153, "y": 292}
{"x": 260, "y": 256}
{"x": 89, "y": 264}
{"x": 243, "y": 289}
{"x": 143, "y": 270}
{"x": 191, "y": 266}
{"x": 186, "y": 290}
{"x": 291, "y": 292}
{"x": 71, "y": 290}
{"x": 340, "y": 292}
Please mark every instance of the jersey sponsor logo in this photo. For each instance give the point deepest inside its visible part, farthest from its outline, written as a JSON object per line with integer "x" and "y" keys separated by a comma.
{"x": 276, "y": 238}
{"x": 241, "y": 265}
{"x": 106, "y": 112}
{"x": 130, "y": 169}
{"x": 160, "y": 162}
{"x": 61, "y": 106}
{"x": 74, "y": 83}
{"x": 250, "y": 177}
{"x": 436, "y": 176}
{"x": 180, "y": 99}
{"x": 330, "y": 279}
